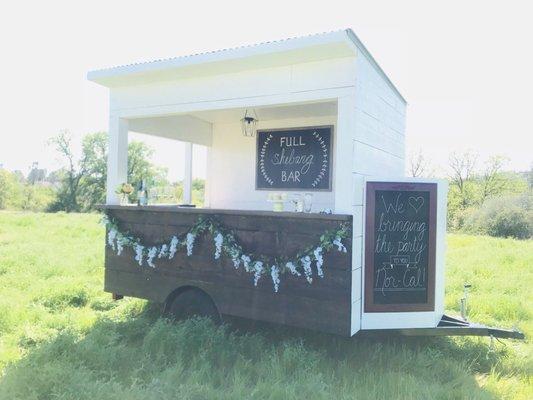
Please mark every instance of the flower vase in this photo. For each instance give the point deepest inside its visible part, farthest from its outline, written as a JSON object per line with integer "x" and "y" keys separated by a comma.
{"x": 123, "y": 199}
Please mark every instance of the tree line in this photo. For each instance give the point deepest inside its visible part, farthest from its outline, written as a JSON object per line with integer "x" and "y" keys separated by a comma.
{"x": 483, "y": 197}
{"x": 80, "y": 185}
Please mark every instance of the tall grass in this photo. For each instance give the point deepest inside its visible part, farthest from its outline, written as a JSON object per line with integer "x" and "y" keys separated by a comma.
{"x": 62, "y": 337}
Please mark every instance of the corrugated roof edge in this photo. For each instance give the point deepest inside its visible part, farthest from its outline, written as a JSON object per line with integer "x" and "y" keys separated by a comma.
{"x": 94, "y": 75}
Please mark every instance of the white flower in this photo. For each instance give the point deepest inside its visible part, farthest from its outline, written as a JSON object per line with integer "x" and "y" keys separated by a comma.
{"x": 105, "y": 220}
{"x": 246, "y": 262}
{"x": 340, "y": 247}
{"x": 218, "y": 244}
{"x": 120, "y": 244}
{"x": 274, "y": 273}
{"x": 190, "y": 243}
{"x": 291, "y": 267}
{"x": 139, "y": 249}
{"x": 173, "y": 247}
{"x": 111, "y": 236}
{"x": 319, "y": 261}
{"x": 258, "y": 270}
{"x": 152, "y": 252}
{"x": 163, "y": 251}
{"x": 306, "y": 262}
{"x": 235, "y": 257}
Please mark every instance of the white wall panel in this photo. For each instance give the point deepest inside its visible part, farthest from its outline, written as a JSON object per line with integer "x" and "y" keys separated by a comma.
{"x": 231, "y": 172}
{"x": 335, "y": 73}
{"x": 378, "y": 150}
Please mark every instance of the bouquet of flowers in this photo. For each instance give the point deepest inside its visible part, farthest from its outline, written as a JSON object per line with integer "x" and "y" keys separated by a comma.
{"x": 124, "y": 190}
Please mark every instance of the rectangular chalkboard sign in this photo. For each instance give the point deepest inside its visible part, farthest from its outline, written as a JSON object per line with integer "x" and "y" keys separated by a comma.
{"x": 294, "y": 159}
{"x": 400, "y": 246}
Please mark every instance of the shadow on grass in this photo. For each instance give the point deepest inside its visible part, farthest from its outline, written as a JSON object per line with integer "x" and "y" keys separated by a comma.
{"x": 143, "y": 356}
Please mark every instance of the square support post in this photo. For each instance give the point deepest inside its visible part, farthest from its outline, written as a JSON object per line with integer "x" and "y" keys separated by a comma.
{"x": 187, "y": 177}
{"x": 117, "y": 157}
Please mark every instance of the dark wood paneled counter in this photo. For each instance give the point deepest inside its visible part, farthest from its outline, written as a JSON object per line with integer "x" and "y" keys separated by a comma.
{"x": 323, "y": 305}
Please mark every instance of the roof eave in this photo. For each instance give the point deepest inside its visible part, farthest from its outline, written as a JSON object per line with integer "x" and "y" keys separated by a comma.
{"x": 106, "y": 76}
{"x": 127, "y": 74}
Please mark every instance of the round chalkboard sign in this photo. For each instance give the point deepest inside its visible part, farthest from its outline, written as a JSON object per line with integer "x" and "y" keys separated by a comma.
{"x": 294, "y": 159}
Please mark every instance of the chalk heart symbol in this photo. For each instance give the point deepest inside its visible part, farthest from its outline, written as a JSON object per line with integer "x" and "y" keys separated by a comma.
{"x": 416, "y": 202}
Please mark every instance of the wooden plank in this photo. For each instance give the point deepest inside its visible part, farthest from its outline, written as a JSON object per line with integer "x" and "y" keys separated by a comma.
{"x": 231, "y": 222}
{"x": 311, "y": 313}
{"x": 219, "y": 212}
{"x": 334, "y": 280}
{"x": 273, "y": 244}
{"x": 324, "y": 305}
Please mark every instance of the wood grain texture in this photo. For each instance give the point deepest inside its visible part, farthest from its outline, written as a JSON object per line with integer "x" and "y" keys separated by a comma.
{"x": 323, "y": 305}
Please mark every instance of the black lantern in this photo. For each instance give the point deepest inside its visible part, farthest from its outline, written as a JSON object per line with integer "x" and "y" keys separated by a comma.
{"x": 249, "y": 123}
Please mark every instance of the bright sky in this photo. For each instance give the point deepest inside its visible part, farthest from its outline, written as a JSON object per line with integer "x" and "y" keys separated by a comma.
{"x": 465, "y": 67}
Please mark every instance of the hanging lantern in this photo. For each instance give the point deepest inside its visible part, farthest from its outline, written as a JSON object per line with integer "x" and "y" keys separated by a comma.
{"x": 249, "y": 123}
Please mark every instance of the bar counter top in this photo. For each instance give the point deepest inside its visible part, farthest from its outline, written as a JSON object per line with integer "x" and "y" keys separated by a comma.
{"x": 198, "y": 210}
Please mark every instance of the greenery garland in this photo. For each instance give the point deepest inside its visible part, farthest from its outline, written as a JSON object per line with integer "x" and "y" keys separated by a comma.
{"x": 226, "y": 243}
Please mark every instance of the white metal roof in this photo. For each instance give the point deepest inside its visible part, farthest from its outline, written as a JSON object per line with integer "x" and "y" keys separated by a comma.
{"x": 343, "y": 43}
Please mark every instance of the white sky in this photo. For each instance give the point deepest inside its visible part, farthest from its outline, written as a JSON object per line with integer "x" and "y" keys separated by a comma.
{"x": 465, "y": 67}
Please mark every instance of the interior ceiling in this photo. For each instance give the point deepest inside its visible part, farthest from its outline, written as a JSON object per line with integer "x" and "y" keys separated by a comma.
{"x": 270, "y": 113}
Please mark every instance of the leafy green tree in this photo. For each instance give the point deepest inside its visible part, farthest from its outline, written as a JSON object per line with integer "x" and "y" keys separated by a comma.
{"x": 82, "y": 182}
{"x": 20, "y": 194}
{"x": 36, "y": 197}
{"x": 471, "y": 187}
{"x": 11, "y": 187}
{"x": 70, "y": 176}
{"x": 94, "y": 156}
{"x": 140, "y": 167}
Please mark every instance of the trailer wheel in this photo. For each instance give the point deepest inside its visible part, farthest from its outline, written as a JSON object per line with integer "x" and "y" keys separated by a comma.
{"x": 192, "y": 302}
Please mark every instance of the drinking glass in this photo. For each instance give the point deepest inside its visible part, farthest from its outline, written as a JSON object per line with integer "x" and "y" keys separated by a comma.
{"x": 308, "y": 202}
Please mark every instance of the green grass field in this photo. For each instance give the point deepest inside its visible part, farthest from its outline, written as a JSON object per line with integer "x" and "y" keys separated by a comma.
{"x": 61, "y": 337}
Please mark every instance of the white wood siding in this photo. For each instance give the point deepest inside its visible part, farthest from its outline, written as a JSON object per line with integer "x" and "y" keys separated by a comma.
{"x": 320, "y": 75}
{"x": 231, "y": 173}
{"x": 378, "y": 149}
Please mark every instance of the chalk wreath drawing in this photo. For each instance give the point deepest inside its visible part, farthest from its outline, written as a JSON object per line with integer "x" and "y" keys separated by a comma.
{"x": 262, "y": 161}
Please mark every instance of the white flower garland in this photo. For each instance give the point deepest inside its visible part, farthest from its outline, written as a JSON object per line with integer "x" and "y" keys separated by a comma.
{"x": 190, "y": 242}
{"x": 306, "y": 263}
{"x": 258, "y": 270}
{"x": 218, "y": 244}
{"x": 163, "y": 251}
{"x": 151, "y": 255}
{"x": 274, "y": 273}
{"x": 340, "y": 247}
{"x": 319, "y": 261}
{"x": 291, "y": 267}
{"x": 111, "y": 236}
{"x": 120, "y": 245}
{"x": 139, "y": 254}
{"x": 225, "y": 243}
{"x": 246, "y": 262}
{"x": 173, "y": 247}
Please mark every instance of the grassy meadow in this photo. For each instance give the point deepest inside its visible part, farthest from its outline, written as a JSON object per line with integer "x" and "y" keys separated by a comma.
{"x": 62, "y": 337}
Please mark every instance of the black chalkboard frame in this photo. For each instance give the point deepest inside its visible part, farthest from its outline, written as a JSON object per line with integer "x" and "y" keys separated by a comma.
{"x": 371, "y": 188}
{"x": 330, "y": 165}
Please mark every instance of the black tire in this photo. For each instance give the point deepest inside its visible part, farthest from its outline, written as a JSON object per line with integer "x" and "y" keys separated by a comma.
{"x": 192, "y": 303}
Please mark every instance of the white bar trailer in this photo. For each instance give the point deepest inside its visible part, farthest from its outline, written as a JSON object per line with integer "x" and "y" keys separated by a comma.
{"x": 331, "y": 126}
